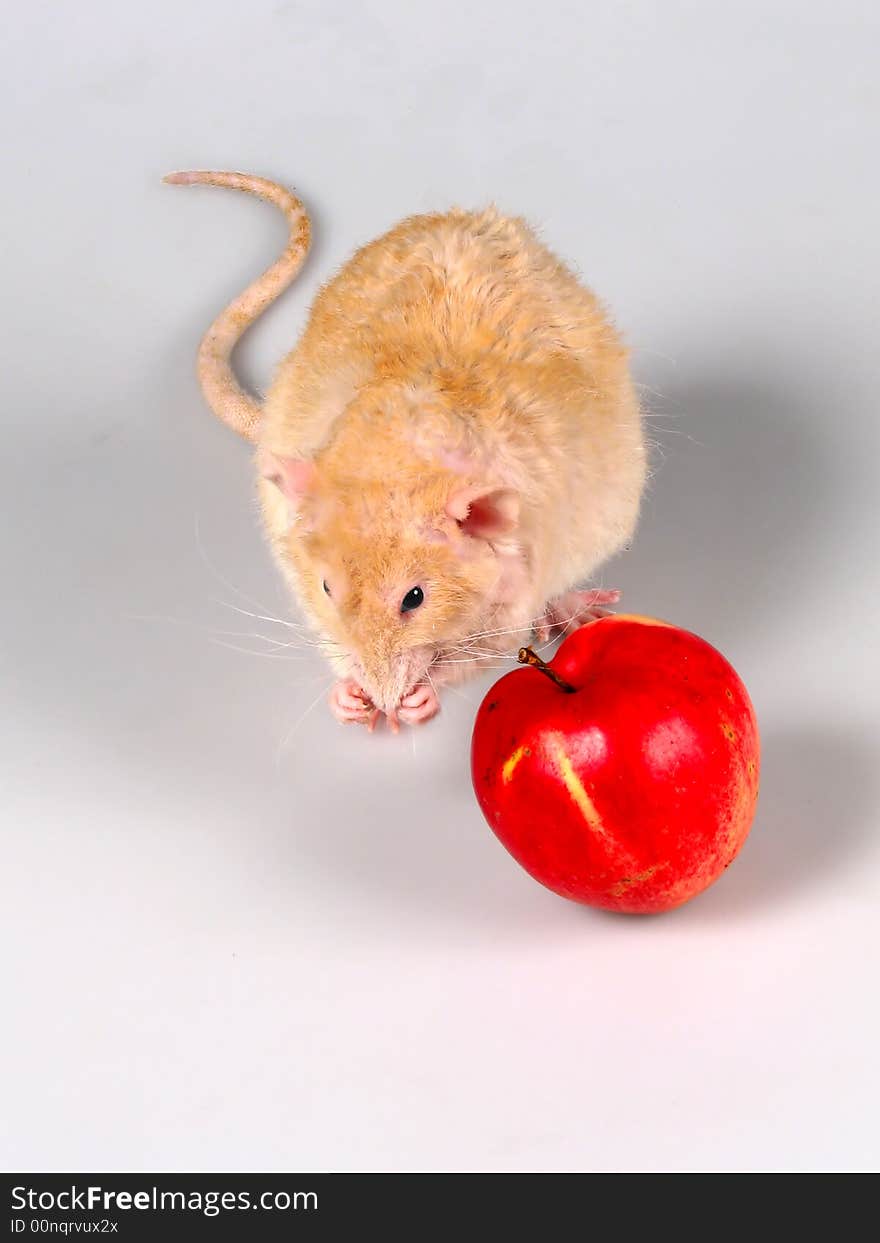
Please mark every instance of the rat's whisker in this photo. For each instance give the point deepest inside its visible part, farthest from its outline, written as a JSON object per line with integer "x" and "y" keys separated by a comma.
{"x": 470, "y": 660}
{"x": 267, "y": 617}
{"x": 303, "y": 635}
{"x": 249, "y": 651}
{"x": 532, "y": 624}
{"x": 465, "y": 648}
{"x": 221, "y": 578}
{"x": 485, "y": 634}
{"x": 296, "y": 642}
{"x": 226, "y": 634}
{"x": 457, "y": 691}
{"x": 288, "y": 736}
{"x": 447, "y": 687}
{"x": 524, "y": 626}
{"x": 557, "y": 631}
{"x": 279, "y": 644}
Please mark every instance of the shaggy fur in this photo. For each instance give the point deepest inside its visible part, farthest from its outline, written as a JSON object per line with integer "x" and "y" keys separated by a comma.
{"x": 458, "y": 416}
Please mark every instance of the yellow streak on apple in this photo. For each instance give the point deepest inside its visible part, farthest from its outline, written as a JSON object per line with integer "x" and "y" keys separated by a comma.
{"x": 575, "y": 786}
{"x": 509, "y": 766}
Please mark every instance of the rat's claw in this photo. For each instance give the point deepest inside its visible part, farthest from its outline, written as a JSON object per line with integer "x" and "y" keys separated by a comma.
{"x": 419, "y": 705}
{"x": 350, "y": 704}
{"x": 572, "y": 610}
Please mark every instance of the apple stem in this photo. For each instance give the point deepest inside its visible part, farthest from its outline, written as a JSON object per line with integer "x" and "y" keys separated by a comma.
{"x": 527, "y": 656}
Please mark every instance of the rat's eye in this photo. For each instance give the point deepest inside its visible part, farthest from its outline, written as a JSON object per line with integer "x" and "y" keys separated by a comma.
{"x": 412, "y": 600}
{"x": 326, "y": 588}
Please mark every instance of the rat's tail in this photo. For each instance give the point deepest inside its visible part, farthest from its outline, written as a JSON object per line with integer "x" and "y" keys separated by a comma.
{"x": 222, "y": 390}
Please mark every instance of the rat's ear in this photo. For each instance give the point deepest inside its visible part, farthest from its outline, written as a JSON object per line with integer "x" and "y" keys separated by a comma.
{"x": 484, "y": 513}
{"x": 293, "y": 476}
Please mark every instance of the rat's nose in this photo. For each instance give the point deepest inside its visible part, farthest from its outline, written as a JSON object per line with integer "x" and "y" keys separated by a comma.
{"x": 386, "y": 676}
{"x": 385, "y": 694}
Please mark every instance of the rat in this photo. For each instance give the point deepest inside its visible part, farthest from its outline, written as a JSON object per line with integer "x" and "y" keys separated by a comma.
{"x": 447, "y": 456}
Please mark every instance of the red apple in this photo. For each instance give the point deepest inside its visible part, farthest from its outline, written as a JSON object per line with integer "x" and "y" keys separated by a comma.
{"x": 623, "y": 773}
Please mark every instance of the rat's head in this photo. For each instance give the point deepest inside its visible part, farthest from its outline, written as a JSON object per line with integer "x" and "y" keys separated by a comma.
{"x": 396, "y": 574}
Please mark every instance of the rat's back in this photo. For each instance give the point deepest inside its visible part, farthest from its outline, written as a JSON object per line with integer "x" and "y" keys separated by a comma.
{"x": 442, "y": 293}
{"x": 518, "y": 361}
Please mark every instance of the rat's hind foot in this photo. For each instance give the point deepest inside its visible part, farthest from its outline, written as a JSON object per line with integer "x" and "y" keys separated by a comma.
{"x": 419, "y": 705}
{"x": 350, "y": 704}
{"x": 574, "y": 609}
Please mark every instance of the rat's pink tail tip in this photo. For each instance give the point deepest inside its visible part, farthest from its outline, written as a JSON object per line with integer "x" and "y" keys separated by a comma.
{"x": 180, "y": 179}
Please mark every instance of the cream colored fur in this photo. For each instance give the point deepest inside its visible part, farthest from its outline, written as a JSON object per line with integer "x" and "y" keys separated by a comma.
{"x": 454, "y": 358}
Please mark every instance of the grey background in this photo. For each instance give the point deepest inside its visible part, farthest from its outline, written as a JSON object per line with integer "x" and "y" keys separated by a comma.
{"x": 237, "y": 936}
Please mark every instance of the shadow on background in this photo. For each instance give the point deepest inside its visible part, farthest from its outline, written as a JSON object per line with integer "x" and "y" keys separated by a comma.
{"x": 745, "y": 480}
{"x": 814, "y": 820}
{"x": 818, "y": 789}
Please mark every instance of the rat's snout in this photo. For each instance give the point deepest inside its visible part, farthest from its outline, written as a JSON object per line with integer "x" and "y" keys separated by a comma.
{"x": 386, "y": 685}
{"x": 388, "y": 676}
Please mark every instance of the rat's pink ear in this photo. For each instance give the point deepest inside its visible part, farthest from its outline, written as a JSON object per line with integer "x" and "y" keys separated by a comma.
{"x": 293, "y": 476}
{"x": 484, "y": 513}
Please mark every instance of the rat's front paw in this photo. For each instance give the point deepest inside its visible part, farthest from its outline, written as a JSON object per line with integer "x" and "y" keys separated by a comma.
{"x": 574, "y": 609}
{"x": 351, "y": 705}
{"x": 419, "y": 705}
